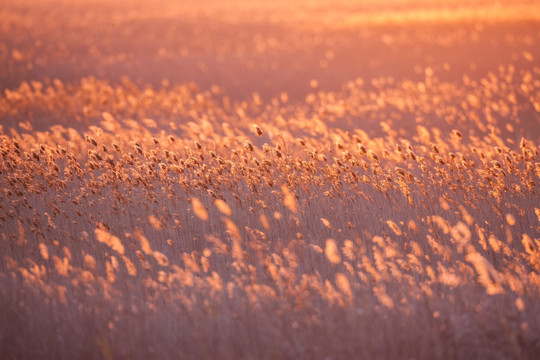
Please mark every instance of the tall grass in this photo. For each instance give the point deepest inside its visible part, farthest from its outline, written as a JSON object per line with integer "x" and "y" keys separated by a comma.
{"x": 140, "y": 237}
{"x": 394, "y": 217}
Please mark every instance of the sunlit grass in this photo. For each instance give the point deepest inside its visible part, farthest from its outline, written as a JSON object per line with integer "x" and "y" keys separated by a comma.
{"x": 284, "y": 228}
{"x": 396, "y": 217}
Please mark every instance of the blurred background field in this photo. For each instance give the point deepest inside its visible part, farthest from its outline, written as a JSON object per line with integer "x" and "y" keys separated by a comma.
{"x": 263, "y": 47}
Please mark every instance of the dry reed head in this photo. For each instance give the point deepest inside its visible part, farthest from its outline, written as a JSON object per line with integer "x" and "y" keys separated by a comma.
{"x": 199, "y": 209}
{"x": 332, "y": 252}
{"x": 223, "y": 207}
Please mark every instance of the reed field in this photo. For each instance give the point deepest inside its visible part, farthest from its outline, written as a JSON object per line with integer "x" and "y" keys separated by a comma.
{"x": 244, "y": 180}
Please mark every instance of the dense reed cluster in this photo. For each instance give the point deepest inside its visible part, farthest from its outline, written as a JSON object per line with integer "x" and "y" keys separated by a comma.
{"x": 390, "y": 219}
{"x": 305, "y": 179}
